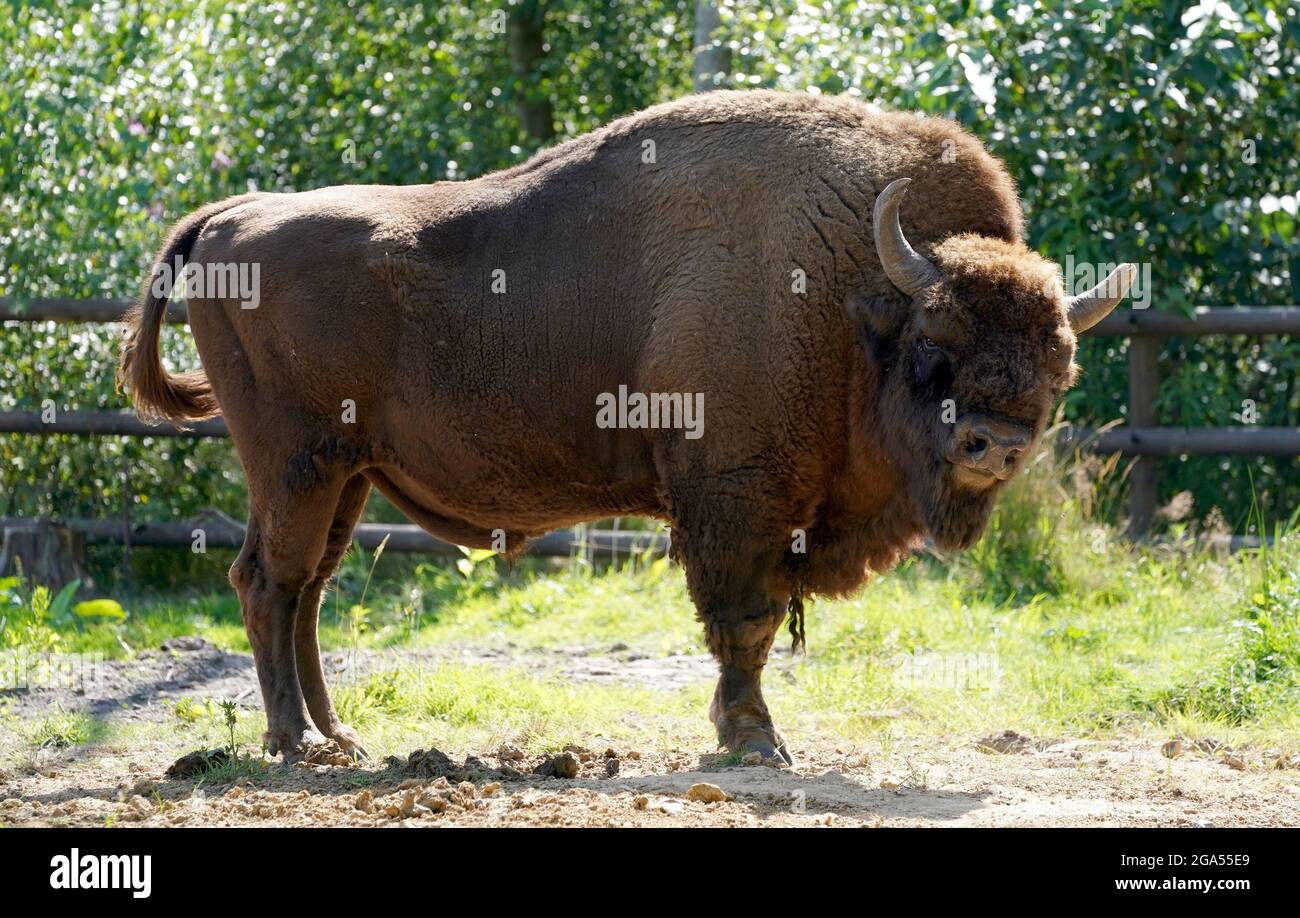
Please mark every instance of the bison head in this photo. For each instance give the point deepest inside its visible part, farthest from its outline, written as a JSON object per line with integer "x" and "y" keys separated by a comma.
{"x": 971, "y": 362}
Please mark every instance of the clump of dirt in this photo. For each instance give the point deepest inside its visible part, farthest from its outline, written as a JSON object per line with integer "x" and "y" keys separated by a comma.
{"x": 1009, "y": 741}
{"x": 196, "y": 763}
{"x": 433, "y": 763}
{"x": 508, "y": 753}
{"x": 189, "y": 643}
{"x": 413, "y": 800}
{"x": 564, "y": 765}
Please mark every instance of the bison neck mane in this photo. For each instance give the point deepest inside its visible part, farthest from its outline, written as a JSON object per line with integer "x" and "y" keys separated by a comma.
{"x": 867, "y": 521}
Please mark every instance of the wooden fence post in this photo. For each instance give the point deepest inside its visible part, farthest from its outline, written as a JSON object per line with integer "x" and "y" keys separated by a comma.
{"x": 126, "y": 521}
{"x": 1143, "y": 385}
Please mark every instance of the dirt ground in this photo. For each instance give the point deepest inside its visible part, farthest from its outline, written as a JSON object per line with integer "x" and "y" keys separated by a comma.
{"x": 1000, "y": 780}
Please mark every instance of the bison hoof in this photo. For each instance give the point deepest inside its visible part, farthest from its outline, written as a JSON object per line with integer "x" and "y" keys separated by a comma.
{"x": 747, "y": 732}
{"x": 293, "y": 746}
{"x": 349, "y": 741}
{"x": 768, "y": 751}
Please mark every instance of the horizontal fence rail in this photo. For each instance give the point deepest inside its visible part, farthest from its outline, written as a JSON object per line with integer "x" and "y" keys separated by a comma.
{"x": 1205, "y": 320}
{"x": 58, "y": 309}
{"x": 219, "y": 532}
{"x": 1134, "y": 441}
{"x": 105, "y": 423}
{"x": 1122, "y": 323}
{"x": 595, "y": 544}
{"x": 1188, "y": 441}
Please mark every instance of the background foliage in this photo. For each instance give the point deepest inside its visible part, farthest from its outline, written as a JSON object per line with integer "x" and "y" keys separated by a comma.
{"x": 1127, "y": 125}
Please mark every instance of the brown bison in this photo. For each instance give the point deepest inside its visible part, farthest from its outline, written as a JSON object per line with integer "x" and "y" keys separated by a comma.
{"x": 450, "y": 344}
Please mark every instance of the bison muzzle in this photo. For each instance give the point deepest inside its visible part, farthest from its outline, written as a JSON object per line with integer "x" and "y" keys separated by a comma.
{"x": 872, "y": 374}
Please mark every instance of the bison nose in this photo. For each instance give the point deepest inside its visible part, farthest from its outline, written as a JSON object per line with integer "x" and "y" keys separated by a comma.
{"x": 995, "y": 447}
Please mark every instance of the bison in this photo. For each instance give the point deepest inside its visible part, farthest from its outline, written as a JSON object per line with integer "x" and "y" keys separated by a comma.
{"x": 871, "y": 374}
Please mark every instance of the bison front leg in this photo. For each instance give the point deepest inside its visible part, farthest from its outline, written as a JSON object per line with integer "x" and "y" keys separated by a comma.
{"x": 741, "y": 617}
{"x": 741, "y": 638}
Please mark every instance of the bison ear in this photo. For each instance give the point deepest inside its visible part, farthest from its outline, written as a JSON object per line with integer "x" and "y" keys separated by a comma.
{"x": 878, "y": 320}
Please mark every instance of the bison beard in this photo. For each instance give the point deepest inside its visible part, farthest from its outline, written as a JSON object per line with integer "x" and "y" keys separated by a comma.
{"x": 952, "y": 514}
{"x": 955, "y": 518}
{"x": 471, "y": 327}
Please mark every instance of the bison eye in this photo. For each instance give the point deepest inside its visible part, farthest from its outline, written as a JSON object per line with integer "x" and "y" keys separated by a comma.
{"x": 931, "y": 363}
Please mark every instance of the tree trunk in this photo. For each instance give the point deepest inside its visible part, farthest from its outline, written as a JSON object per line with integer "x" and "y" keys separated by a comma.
{"x": 527, "y": 46}
{"x": 44, "y": 552}
{"x": 712, "y": 60}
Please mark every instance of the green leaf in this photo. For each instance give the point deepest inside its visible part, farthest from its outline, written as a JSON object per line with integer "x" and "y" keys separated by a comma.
{"x": 64, "y": 597}
{"x": 100, "y": 608}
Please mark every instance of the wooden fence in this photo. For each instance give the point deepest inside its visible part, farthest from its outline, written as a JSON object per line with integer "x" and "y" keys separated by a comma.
{"x": 1141, "y": 437}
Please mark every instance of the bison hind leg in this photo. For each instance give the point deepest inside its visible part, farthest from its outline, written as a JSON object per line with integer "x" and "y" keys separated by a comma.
{"x": 306, "y": 644}
{"x": 269, "y": 595}
{"x": 275, "y": 575}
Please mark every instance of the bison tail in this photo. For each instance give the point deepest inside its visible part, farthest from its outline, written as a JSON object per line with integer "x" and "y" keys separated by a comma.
{"x": 157, "y": 394}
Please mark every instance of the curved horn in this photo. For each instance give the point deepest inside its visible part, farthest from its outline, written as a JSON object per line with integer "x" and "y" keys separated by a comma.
{"x": 1087, "y": 309}
{"x": 908, "y": 271}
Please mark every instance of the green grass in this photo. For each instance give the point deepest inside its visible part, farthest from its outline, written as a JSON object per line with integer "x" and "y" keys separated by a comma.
{"x": 481, "y": 707}
{"x": 1170, "y": 641}
{"x": 645, "y": 606}
{"x": 63, "y": 730}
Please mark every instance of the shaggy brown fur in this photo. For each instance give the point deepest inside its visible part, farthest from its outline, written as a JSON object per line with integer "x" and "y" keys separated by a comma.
{"x": 665, "y": 273}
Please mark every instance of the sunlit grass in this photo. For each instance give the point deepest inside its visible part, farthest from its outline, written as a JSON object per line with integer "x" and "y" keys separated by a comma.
{"x": 479, "y": 707}
{"x": 645, "y": 607}
{"x": 1206, "y": 656}
{"x": 64, "y": 730}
